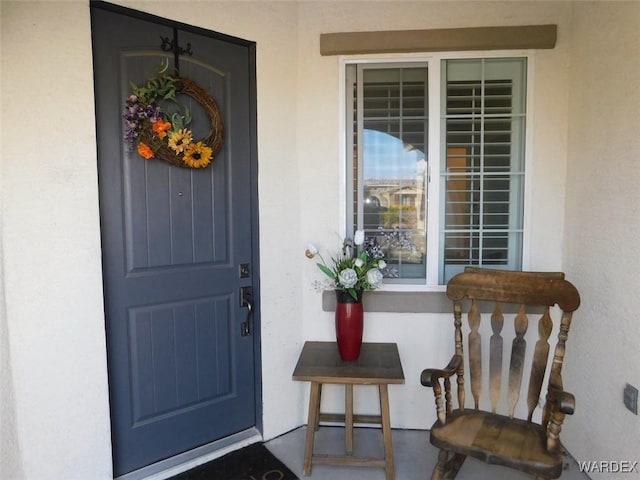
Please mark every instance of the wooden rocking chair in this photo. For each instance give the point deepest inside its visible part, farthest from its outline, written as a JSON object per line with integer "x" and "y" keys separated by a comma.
{"x": 503, "y": 439}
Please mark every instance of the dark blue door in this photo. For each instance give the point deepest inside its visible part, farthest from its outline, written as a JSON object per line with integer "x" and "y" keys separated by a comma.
{"x": 178, "y": 246}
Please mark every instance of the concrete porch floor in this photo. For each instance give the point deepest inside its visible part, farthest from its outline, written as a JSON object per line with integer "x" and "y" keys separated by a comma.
{"x": 414, "y": 457}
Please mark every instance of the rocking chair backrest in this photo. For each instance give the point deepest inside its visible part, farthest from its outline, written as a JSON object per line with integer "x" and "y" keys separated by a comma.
{"x": 523, "y": 290}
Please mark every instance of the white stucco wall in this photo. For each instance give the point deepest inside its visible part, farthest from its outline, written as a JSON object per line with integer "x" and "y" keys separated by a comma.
{"x": 55, "y": 413}
{"x": 603, "y": 228}
{"x": 51, "y": 252}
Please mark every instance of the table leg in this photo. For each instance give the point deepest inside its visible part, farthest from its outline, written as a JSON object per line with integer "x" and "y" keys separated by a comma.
{"x": 386, "y": 431}
{"x": 348, "y": 419}
{"x": 318, "y": 409}
{"x": 314, "y": 398}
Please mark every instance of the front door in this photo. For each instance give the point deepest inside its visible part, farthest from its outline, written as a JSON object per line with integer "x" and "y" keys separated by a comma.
{"x": 179, "y": 246}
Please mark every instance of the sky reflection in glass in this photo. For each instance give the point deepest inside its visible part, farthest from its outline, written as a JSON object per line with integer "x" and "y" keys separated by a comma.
{"x": 386, "y": 157}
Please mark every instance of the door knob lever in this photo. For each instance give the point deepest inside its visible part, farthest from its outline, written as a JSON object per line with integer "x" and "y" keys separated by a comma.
{"x": 245, "y": 301}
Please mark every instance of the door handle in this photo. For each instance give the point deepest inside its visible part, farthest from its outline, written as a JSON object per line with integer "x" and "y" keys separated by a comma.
{"x": 245, "y": 301}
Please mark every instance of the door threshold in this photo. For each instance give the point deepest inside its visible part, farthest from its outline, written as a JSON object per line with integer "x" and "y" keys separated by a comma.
{"x": 191, "y": 459}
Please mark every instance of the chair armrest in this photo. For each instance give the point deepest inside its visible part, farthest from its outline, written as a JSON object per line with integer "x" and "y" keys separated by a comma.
{"x": 565, "y": 402}
{"x": 430, "y": 376}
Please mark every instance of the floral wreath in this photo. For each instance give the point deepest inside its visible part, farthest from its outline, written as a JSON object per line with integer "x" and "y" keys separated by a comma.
{"x": 162, "y": 133}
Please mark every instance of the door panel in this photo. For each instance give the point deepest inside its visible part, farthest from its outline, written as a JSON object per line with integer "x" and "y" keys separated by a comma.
{"x": 180, "y": 373}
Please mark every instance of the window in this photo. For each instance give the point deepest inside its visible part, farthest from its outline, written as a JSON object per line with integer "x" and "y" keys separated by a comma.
{"x": 434, "y": 207}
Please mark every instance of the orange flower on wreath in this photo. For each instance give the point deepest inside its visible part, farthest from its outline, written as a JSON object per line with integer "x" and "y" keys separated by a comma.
{"x": 145, "y": 151}
{"x": 161, "y": 127}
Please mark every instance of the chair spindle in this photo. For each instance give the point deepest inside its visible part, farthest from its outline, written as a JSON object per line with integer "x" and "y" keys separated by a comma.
{"x": 540, "y": 357}
{"x": 475, "y": 353}
{"x": 495, "y": 360}
{"x": 556, "y": 365}
{"x": 457, "y": 322}
{"x": 518, "y": 350}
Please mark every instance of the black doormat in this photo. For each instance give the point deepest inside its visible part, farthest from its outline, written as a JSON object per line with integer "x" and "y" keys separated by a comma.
{"x": 254, "y": 462}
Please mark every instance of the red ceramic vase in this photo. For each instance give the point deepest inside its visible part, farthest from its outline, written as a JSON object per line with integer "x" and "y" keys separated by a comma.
{"x": 349, "y": 325}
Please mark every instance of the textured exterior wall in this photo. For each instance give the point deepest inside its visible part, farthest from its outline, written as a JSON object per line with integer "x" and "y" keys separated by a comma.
{"x": 53, "y": 311}
{"x": 603, "y": 228}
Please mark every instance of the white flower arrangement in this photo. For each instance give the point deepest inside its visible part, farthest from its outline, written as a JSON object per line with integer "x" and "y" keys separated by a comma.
{"x": 354, "y": 270}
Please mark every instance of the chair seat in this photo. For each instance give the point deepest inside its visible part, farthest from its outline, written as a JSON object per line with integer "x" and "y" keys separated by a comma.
{"x": 499, "y": 440}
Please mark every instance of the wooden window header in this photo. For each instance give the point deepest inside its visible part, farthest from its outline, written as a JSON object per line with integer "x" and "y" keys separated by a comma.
{"x": 439, "y": 40}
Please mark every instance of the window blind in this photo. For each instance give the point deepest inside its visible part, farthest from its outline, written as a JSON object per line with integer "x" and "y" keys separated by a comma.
{"x": 484, "y": 165}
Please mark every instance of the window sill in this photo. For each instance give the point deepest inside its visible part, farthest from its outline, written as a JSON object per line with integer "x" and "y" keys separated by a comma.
{"x": 417, "y": 302}
{"x": 396, "y": 302}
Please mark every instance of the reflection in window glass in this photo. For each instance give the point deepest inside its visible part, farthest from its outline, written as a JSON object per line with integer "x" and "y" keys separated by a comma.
{"x": 389, "y": 122}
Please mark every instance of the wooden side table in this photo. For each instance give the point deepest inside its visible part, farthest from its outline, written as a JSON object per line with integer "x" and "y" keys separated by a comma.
{"x": 378, "y": 364}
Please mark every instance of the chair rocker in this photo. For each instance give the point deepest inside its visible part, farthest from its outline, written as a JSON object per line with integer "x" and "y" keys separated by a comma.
{"x": 526, "y": 445}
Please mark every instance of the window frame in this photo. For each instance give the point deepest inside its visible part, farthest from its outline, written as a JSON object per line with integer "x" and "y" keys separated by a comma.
{"x": 433, "y": 62}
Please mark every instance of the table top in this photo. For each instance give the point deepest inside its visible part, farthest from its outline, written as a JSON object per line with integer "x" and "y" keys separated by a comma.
{"x": 379, "y": 363}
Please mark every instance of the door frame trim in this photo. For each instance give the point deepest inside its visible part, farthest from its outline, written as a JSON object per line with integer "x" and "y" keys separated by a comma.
{"x": 255, "y": 233}
{"x": 256, "y": 431}
{"x": 149, "y": 17}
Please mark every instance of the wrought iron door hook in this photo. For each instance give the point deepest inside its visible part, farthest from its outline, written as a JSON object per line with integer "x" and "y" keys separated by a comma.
{"x": 172, "y": 46}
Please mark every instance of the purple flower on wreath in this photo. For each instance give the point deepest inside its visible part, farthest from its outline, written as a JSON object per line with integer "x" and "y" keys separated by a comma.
{"x": 135, "y": 114}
